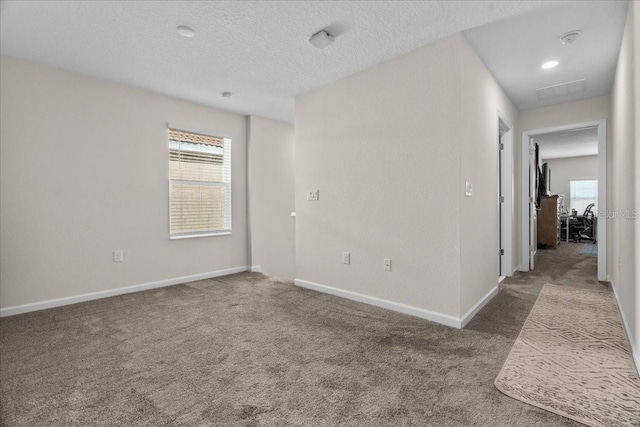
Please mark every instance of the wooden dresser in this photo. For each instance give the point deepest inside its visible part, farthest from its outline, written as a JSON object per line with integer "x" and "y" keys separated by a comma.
{"x": 549, "y": 223}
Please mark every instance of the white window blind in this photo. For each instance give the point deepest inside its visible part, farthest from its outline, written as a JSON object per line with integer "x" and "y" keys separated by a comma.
{"x": 199, "y": 184}
{"x": 583, "y": 193}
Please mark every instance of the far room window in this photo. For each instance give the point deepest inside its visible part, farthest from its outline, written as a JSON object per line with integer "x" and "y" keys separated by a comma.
{"x": 199, "y": 184}
{"x": 583, "y": 193}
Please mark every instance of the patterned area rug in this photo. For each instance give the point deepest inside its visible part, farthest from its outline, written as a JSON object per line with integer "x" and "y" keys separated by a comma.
{"x": 572, "y": 358}
{"x": 590, "y": 250}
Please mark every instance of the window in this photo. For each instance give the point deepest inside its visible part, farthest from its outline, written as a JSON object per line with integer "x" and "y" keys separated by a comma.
{"x": 583, "y": 193}
{"x": 199, "y": 184}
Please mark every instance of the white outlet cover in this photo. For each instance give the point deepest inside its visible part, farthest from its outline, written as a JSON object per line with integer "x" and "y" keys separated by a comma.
{"x": 468, "y": 189}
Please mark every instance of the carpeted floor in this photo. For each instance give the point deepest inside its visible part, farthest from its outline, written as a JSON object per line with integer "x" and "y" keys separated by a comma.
{"x": 247, "y": 350}
{"x": 573, "y": 358}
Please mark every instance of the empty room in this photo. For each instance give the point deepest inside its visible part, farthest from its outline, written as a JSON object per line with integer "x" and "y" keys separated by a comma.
{"x": 318, "y": 213}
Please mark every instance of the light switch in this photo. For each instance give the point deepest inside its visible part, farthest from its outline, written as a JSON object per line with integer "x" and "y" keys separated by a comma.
{"x": 468, "y": 189}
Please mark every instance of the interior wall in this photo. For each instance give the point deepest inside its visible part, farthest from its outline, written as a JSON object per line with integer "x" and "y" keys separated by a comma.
{"x": 480, "y": 100}
{"x": 625, "y": 207}
{"x": 84, "y": 171}
{"x": 571, "y": 168}
{"x": 585, "y": 110}
{"x": 271, "y": 197}
{"x": 382, "y": 148}
{"x": 390, "y": 149}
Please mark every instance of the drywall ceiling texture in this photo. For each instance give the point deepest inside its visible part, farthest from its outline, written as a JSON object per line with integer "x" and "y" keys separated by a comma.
{"x": 257, "y": 50}
{"x": 625, "y": 190}
{"x": 514, "y": 49}
{"x": 567, "y": 169}
{"x": 384, "y": 149}
{"x": 271, "y": 197}
{"x": 84, "y": 167}
{"x": 572, "y": 143}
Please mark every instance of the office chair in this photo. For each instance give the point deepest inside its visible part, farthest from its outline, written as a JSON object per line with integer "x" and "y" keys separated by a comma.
{"x": 585, "y": 225}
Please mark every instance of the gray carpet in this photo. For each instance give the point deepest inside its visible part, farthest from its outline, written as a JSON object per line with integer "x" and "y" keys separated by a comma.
{"x": 573, "y": 358}
{"x": 247, "y": 350}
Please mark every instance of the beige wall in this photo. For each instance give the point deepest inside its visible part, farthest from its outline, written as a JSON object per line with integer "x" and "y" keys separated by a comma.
{"x": 480, "y": 99}
{"x": 585, "y": 110}
{"x": 84, "y": 167}
{"x": 384, "y": 147}
{"x": 625, "y": 232}
{"x": 568, "y": 169}
{"x": 271, "y": 197}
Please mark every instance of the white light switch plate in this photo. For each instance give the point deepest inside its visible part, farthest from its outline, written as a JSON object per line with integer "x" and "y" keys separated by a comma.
{"x": 468, "y": 189}
{"x": 313, "y": 195}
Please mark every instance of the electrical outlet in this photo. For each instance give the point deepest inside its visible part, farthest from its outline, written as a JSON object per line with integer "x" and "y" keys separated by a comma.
{"x": 313, "y": 195}
{"x": 387, "y": 264}
{"x": 468, "y": 189}
{"x": 346, "y": 258}
{"x": 118, "y": 256}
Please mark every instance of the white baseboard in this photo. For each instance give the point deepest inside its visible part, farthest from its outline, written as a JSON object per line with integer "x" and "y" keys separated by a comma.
{"x": 444, "y": 319}
{"x": 478, "y": 306}
{"x": 255, "y": 269}
{"x": 26, "y": 308}
{"x": 632, "y": 342}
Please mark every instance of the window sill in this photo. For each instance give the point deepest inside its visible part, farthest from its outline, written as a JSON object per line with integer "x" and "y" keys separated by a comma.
{"x": 193, "y": 236}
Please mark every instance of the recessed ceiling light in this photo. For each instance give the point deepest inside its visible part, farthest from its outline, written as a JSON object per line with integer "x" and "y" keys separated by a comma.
{"x": 549, "y": 64}
{"x": 185, "y": 31}
{"x": 227, "y": 94}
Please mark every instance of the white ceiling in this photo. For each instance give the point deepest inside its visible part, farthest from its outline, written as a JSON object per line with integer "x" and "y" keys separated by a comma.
{"x": 571, "y": 143}
{"x": 260, "y": 50}
{"x": 514, "y": 49}
{"x": 257, "y": 50}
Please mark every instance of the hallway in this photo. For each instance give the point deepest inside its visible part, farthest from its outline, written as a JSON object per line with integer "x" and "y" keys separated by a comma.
{"x": 564, "y": 266}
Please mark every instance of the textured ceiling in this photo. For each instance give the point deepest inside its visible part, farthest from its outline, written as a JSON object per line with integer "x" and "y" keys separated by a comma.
{"x": 514, "y": 49}
{"x": 573, "y": 143}
{"x": 257, "y": 50}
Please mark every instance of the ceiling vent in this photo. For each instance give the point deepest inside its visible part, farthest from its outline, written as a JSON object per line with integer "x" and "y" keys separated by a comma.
{"x": 562, "y": 89}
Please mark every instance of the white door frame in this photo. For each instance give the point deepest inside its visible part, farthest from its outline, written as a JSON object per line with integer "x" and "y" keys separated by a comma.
{"x": 601, "y": 125}
{"x": 507, "y": 191}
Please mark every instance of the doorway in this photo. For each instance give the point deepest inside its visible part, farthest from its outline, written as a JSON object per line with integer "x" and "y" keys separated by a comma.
{"x": 532, "y": 175}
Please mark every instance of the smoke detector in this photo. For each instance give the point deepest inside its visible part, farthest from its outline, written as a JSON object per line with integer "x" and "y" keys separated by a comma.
{"x": 321, "y": 39}
{"x": 570, "y": 37}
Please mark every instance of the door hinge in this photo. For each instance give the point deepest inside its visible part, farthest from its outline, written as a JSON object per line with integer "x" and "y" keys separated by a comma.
{"x": 501, "y": 145}
{"x": 501, "y": 251}
{"x": 501, "y": 199}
